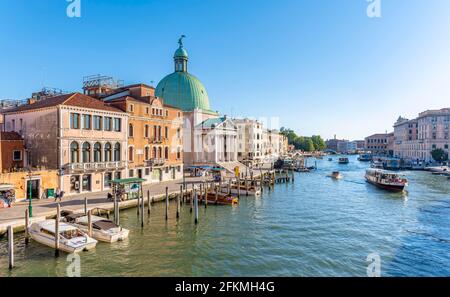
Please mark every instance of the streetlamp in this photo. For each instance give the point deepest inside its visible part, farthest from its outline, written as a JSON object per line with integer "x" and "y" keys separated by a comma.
{"x": 30, "y": 207}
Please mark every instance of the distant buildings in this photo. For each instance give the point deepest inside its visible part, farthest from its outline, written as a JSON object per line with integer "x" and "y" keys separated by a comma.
{"x": 250, "y": 141}
{"x": 415, "y": 139}
{"x": 381, "y": 144}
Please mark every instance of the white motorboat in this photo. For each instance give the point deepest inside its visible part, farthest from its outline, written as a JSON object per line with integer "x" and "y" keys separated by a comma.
{"x": 102, "y": 229}
{"x": 335, "y": 175}
{"x": 343, "y": 160}
{"x": 71, "y": 238}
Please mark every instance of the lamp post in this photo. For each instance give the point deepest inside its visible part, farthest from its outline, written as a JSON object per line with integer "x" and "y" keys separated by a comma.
{"x": 30, "y": 206}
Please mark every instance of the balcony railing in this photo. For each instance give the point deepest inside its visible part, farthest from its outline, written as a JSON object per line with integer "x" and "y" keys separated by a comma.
{"x": 156, "y": 162}
{"x": 77, "y": 167}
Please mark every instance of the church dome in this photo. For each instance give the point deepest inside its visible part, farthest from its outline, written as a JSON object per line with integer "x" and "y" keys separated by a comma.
{"x": 182, "y": 89}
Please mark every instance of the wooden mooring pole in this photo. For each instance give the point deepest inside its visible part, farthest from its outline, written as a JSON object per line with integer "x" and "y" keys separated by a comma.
{"x": 90, "y": 223}
{"x": 149, "y": 204}
{"x": 179, "y": 201}
{"x": 196, "y": 206}
{"x": 58, "y": 217}
{"x": 27, "y": 224}
{"x": 167, "y": 203}
{"x": 11, "y": 247}
{"x": 141, "y": 193}
{"x": 206, "y": 195}
{"x": 217, "y": 195}
{"x": 85, "y": 206}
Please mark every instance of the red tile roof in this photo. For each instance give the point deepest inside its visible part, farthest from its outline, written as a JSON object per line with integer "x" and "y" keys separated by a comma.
{"x": 73, "y": 99}
{"x": 10, "y": 136}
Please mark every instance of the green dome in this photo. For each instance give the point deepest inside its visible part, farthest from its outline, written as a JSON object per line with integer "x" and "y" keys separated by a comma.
{"x": 180, "y": 53}
{"x": 183, "y": 90}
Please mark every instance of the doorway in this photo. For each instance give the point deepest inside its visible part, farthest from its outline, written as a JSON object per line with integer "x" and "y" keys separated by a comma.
{"x": 35, "y": 187}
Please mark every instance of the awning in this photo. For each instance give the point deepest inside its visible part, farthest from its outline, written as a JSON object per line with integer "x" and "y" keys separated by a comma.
{"x": 127, "y": 181}
{"x": 7, "y": 187}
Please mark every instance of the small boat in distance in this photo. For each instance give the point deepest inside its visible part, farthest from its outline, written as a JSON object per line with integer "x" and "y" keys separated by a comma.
{"x": 330, "y": 159}
{"x": 335, "y": 175}
{"x": 365, "y": 158}
{"x": 386, "y": 180}
{"x": 71, "y": 238}
{"x": 343, "y": 160}
{"x": 102, "y": 229}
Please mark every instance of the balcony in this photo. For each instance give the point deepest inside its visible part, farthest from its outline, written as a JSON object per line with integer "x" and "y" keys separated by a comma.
{"x": 155, "y": 162}
{"x": 96, "y": 166}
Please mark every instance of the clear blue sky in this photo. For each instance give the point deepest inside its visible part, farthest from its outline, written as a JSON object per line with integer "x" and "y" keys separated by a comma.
{"x": 321, "y": 66}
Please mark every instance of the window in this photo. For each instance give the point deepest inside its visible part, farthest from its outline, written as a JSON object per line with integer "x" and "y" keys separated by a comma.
{"x": 154, "y": 152}
{"x": 131, "y": 173}
{"x": 108, "y": 178}
{"x": 147, "y": 171}
{"x": 147, "y": 153}
{"x": 167, "y": 113}
{"x": 147, "y": 110}
{"x": 178, "y": 133}
{"x": 178, "y": 153}
{"x": 446, "y": 146}
{"x": 179, "y": 114}
{"x": 117, "y": 152}
{"x": 87, "y": 121}
{"x": 166, "y": 132}
{"x": 130, "y": 154}
{"x": 117, "y": 175}
{"x": 117, "y": 124}
{"x": 130, "y": 130}
{"x": 97, "y": 152}
{"x": 17, "y": 155}
{"x": 75, "y": 120}
{"x": 131, "y": 108}
{"x": 160, "y": 152}
{"x": 108, "y": 124}
{"x": 13, "y": 124}
{"x": 86, "y": 152}
{"x": 146, "y": 131}
{"x": 97, "y": 122}
{"x": 74, "y": 152}
{"x": 108, "y": 152}
{"x": 166, "y": 153}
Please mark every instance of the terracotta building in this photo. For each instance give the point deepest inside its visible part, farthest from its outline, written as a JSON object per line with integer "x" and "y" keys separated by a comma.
{"x": 154, "y": 131}
{"x": 12, "y": 151}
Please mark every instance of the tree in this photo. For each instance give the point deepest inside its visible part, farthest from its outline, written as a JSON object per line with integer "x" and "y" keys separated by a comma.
{"x": 319, "y": 143}
{"x": 309, "y": 144}
{"x": 439, "y": 155}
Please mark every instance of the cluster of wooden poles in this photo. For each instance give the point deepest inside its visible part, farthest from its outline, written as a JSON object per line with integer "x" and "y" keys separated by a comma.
{"x": 184, "y": 196}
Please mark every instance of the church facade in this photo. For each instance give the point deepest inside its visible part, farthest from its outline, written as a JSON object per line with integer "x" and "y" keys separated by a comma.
{"x": 208, "y": 138}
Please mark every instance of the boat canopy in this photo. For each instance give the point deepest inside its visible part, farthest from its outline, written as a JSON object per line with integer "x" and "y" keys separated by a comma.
{"x": 49, "y": 225}
{"x": 127, "y": 181}
{"x": 380, "y": 171}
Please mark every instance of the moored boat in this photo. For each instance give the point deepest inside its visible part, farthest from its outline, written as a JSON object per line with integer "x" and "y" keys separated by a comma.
{"x": 335, "y": 175}
{"x": 71, "y": 238}
{"x": 365, "y": 158}
{"x": 222, "y": 198}
{"x": 343, "y": 160}
{"x": 102, "y": 229}
{"x": 386, "y": 180}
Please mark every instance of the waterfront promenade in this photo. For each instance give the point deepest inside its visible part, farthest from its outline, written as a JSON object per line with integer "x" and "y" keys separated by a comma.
{"x": 47, "y": 207}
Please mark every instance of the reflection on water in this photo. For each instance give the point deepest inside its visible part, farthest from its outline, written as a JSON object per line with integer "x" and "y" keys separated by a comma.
{"x": 316, "y": 226}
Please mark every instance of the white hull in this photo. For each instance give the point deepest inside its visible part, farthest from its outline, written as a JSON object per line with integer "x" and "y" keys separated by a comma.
{"x": 104, "y": 236}
{"x": 49, "y": 241}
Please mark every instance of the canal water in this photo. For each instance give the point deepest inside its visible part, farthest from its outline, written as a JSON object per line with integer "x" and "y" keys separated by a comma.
{"x": 315, "y": 226}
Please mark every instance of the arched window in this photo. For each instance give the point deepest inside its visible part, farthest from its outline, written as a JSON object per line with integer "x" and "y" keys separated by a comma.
{"x": 160, "y": 152}
{"x": 178, "y": 153}
{"x": 147, "y": 153}
{"x": 97, "y": 152}
{"x": 146, "y": 131}
{"x": 130, "y": 153}
{"x": 154, "y": 152}
{"x": 108, "y": 152}
{"x": 130, "y": 130}
{"x": 117, "y": 152}
{"x": 74, "y": 152}
{"x": 86, "y": 152}
{"x": 166, "y": 153}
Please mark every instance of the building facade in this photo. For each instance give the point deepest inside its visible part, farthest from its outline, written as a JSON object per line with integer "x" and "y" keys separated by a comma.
{"x": 155, "y": 140}
{"x": 81, "y": 138}
{"x": 381, "y": 144}
{"x": 416, "y": 138}
{"x": 249, "y": 141}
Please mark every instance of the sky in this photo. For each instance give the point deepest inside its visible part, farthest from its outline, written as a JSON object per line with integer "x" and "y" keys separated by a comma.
{"x": 316, "y": 66}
